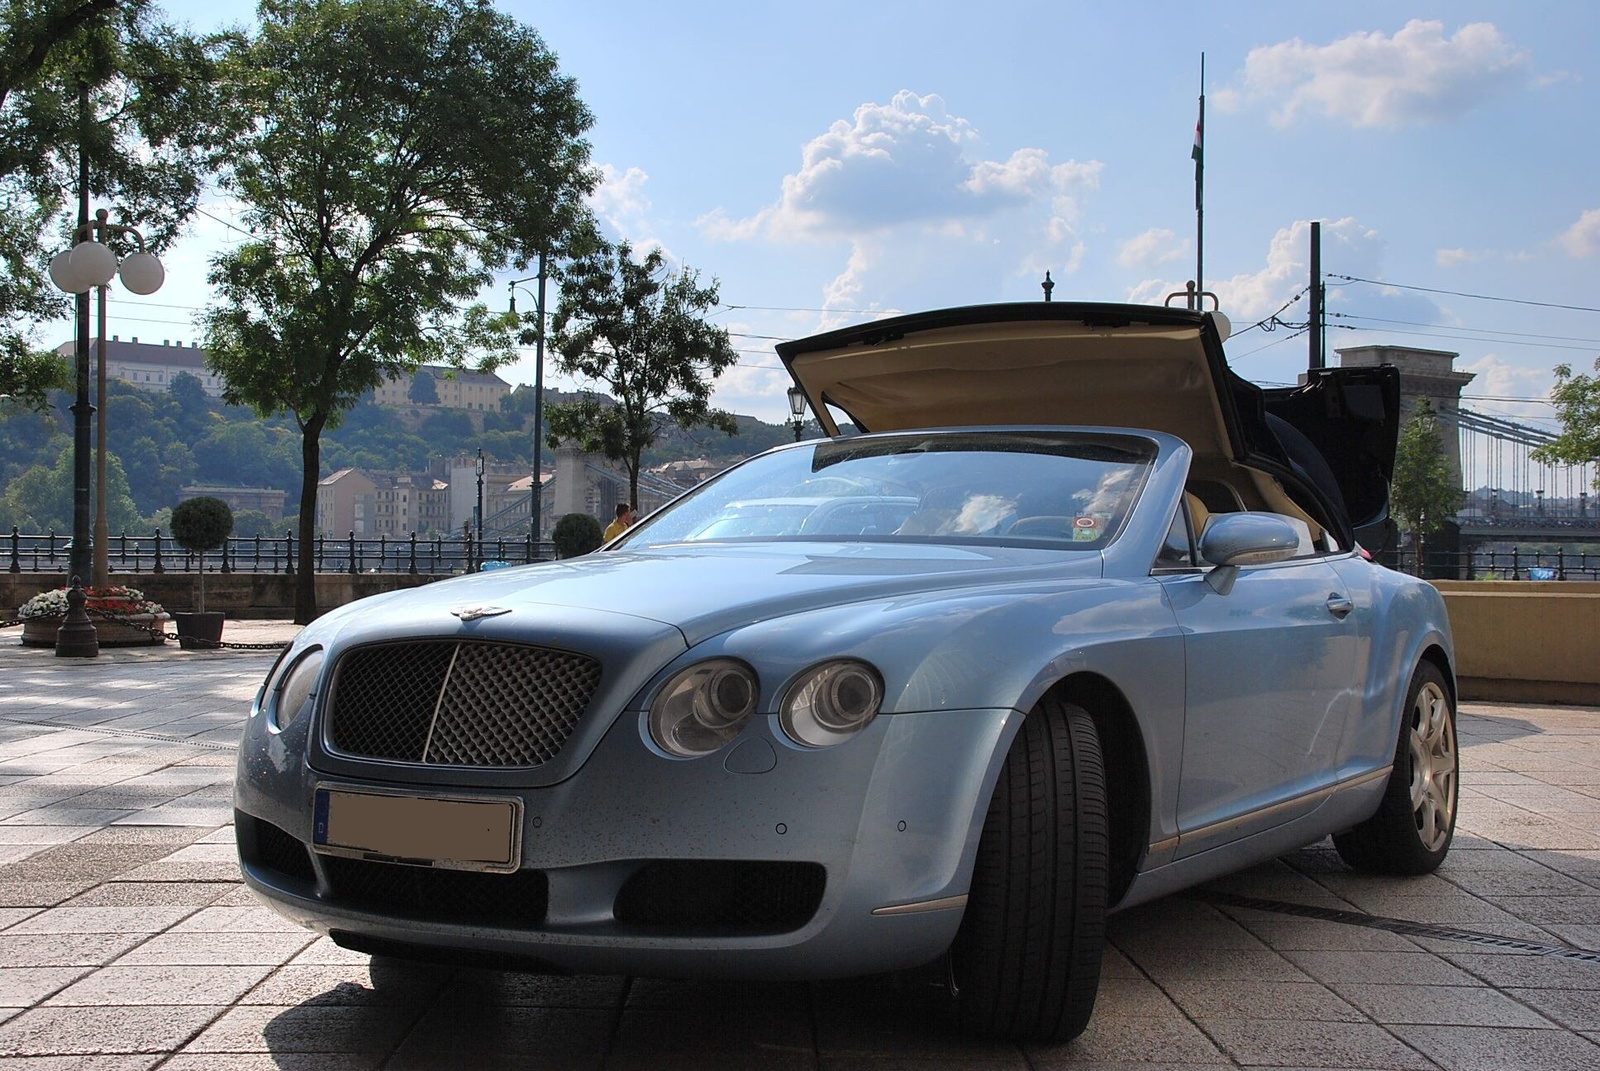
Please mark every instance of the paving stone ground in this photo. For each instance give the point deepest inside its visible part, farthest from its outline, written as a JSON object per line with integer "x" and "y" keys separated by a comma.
{"x": 127, "y": 941}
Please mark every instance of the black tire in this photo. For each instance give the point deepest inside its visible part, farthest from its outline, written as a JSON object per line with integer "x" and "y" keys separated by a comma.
{"x": 1414, "y": 825}
{"x": 1026, "y": 961}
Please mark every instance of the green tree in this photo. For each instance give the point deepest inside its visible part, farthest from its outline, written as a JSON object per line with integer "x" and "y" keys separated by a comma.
{"x": 1577, "y": 402}
{"x": 401, "y": 152}
{"x": 576, "y": 534}
{"x": 424, "y": 391}
{"x": 1424, "y": 493}
{"x": 107, "y": 80}
{"x": 641, "y": 332}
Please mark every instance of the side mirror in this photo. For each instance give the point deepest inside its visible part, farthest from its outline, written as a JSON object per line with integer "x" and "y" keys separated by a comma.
{"x": 1235, "y": 539}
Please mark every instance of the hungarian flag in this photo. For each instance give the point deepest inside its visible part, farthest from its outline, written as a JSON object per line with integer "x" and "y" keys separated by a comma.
{"x": 1199, "y": 151}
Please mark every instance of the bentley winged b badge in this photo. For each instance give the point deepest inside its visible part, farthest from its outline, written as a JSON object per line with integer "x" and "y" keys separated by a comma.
{"x": 472, "y": 613}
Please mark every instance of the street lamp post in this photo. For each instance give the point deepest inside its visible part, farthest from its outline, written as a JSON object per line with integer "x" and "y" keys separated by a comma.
{"x": 797, "y": 409}
{"x": 479, "y": 511}
{"x": 536, "y": 504}
{"x": 88, "y": 265}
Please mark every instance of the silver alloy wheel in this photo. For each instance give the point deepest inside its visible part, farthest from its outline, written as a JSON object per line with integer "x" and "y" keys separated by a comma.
{"x": 1433, "y": 766}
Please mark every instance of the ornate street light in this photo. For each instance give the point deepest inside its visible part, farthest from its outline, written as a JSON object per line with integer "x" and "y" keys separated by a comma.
{"x": 479, "y": 468}
{"x": 797, "y": 409}
{"x": 536, "y": 493}
{"x": 90, "y": 264}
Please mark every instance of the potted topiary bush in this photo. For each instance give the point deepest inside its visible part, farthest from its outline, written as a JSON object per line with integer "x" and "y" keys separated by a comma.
{"x": 200, "y": 525}
{"x": 575, "y": 534}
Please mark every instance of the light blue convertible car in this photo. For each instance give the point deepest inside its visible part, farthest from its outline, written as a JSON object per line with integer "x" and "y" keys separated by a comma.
{"x": 1081, "y": 618}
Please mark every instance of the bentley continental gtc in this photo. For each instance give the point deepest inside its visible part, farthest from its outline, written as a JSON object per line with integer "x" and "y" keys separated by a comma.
{"x": 1062, "y": 616}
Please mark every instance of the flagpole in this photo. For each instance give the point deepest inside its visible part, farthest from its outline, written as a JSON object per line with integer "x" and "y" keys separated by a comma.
{"x": 1199, "y": 192}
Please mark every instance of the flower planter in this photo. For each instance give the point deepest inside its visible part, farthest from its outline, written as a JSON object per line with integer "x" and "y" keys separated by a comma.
{"x": 130, "y": 631}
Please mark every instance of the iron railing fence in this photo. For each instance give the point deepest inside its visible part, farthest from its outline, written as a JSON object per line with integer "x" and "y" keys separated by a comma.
{"x": 1485, "y": 564}
{"x": 157, "y": 553}
{"x": 440, "y": 555}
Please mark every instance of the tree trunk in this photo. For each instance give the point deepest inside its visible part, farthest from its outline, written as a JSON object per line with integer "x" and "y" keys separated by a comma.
{"x": 305, "y": 581}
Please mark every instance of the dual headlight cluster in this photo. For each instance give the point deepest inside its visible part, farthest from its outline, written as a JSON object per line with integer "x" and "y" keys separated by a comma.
{"x": 708, "y": 704}
{"x": 288, "y": 688}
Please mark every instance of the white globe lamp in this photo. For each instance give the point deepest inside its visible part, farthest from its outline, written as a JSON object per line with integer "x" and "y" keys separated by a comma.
{"x": 63, "y": 276}
{"x": 142, "y": 273}
{"x": 93, "y": 264}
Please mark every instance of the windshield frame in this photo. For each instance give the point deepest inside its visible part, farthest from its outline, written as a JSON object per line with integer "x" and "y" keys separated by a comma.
{"x": 1138, "y": 451}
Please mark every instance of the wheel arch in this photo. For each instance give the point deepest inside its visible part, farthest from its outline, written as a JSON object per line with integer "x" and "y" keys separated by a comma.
{"x": 1436, "y": 654}
{"x": 1128, "y": 793}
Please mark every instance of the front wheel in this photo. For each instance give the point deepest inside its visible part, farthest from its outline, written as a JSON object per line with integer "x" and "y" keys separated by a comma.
{"x": 1413, "y": 827}
{"x": 1026, "y": 961}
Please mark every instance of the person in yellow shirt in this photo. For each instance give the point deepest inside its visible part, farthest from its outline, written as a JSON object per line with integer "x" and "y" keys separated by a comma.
{"x": 623, "y": 522}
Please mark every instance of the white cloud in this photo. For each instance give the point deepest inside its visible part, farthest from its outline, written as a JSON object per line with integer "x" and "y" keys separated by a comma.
{"x": 907, "y": 163}
{"x": 1451, "y": 258}
{"x": 1373, "y": 80}
{"x": 1158, "y": 245}
{"x": 619, "y": 199}
{"x": 1497, "y": 379}
{"x": 1582, "y": 239}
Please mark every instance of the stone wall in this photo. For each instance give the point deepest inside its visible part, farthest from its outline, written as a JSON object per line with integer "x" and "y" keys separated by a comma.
{"x": 242, "y": 596}
{"x": 1526, "y": 641}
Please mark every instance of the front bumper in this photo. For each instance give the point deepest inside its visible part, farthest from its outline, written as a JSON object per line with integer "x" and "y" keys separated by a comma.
{"x": 887, "y": 823}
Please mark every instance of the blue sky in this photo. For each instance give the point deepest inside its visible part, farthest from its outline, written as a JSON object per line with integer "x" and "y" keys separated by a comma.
{"x": 831, "y": 162}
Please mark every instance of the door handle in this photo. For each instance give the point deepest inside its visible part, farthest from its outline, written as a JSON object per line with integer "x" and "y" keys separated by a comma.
{"x": 1339, "y": 606}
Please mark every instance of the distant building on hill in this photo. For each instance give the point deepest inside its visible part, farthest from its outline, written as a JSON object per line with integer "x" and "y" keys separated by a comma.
{"x": 150, "y": 367}
{"x": 268, "y": 500}
{"x": 453, "y": 389}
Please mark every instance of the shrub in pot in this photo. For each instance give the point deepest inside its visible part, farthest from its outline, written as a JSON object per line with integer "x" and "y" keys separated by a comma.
{"x": 575, "y": 534}
{"x": 200, "y": 525}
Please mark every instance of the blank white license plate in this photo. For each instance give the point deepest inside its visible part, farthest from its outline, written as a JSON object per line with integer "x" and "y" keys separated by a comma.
{"x": 461, "y": 834}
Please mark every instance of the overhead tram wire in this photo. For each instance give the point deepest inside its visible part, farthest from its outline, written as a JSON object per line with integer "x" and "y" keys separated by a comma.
{"x": 1465, "y": 294}
{"x": 1463, "y": 338}
{"x": 1479, "y": 330}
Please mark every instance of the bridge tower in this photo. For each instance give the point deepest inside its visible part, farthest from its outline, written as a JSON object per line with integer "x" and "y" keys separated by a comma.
{"x": 1426, "y": 374}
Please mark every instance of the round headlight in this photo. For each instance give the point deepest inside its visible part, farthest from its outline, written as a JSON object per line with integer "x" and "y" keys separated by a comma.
{"x": 830, "y": 703}
{"x": 703, "y": 707}
{"x": 292, "y": 695}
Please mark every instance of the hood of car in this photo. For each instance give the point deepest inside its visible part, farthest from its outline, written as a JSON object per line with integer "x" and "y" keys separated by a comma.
{"x": 1058, "y": 363}
{"x": 706, "y": 589}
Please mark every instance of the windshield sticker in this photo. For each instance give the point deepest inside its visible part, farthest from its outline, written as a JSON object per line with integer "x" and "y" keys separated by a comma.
{"x": 1086, "y": 529}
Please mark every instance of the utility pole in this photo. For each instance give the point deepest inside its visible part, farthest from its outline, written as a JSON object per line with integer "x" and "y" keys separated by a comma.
{"x": 1314, "y": 330}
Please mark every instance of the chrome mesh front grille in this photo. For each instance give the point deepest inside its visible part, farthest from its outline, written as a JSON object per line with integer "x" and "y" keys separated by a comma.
{"x": 451, "y": 703}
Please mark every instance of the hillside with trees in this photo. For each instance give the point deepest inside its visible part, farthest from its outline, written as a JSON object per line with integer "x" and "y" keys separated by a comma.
{"x": 159, "y": 443}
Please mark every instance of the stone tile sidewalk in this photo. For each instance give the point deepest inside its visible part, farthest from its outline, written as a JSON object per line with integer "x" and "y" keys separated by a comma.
{"x": 127, "y": 942}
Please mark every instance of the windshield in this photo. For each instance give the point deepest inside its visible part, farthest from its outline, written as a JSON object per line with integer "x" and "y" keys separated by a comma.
{"x": 1070, "y": 492}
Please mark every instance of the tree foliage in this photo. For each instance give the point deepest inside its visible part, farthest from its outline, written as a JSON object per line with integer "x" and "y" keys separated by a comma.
{"x": 105, "y": 78}
{"x": 401, "y": 151}
{"x": 201, "y": 524}
{"x": 1577, "y": 402}
{"x": 641, "y": 332}
{"x": 1424, "y": 493}
{"x": 423, "y": 390}
{"x": 575, "y": 534}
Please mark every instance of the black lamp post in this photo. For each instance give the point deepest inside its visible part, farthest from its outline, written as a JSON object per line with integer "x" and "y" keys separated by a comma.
{"x": 797, "y": 409}
{"x": 479, "y": 510}
{"x": 537, "y": 491}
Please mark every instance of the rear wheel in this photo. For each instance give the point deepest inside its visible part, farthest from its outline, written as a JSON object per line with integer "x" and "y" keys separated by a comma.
{"x": 1026, "y": 961}
{"x": 1413, "y": 827}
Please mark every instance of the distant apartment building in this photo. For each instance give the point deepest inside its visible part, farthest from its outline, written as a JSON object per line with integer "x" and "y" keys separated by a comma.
{"x": 343, "y": 501}
{"x": 150, "y": 367}
{"x": 455, "y": 389}
{"x": 390, "y": 504}
{"x": 268, "y": 500}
